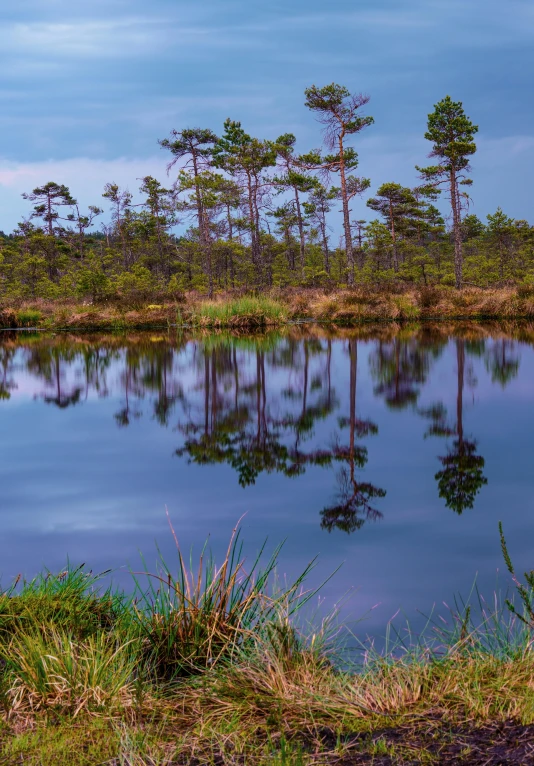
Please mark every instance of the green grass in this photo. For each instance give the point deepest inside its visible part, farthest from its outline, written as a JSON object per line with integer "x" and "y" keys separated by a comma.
{"x": 67, "y": 600}
{"x": 239, "y": 312}
{"x": 191, "y": 619}
{"x": 210, "y": 661}
{"x": 28, "y": 317}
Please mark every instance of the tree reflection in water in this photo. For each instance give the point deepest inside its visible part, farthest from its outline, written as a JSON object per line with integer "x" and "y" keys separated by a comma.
{"x": 7, "y": 382}
{"x": 255, "y": 404}
{"x": 243, "y": 426}
{"x": 502, "y": 361}
{"x": 52, "y": 363}
{"x": 353, "y": 507}
{"x": 250, "y": 429}
{"x": 461, "y": 477}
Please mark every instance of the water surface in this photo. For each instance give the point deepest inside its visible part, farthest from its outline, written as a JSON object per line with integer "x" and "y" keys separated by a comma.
{"x": 390, "y": 451}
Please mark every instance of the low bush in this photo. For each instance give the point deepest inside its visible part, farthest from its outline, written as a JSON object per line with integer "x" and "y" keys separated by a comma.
{"x": 428, "y": 297}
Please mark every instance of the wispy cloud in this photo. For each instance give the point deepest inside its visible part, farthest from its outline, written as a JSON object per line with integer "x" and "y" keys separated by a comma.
{"x": 448, "y": 22}
{"x": 95, "y": 173}
{"x": 130, "y": 36}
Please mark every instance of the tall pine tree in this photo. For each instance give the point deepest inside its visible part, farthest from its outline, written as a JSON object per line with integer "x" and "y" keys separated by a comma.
{"x": 452, "y": 134}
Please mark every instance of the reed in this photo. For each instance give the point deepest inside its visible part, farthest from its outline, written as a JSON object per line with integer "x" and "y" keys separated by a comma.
{"x": 28, "y": 317}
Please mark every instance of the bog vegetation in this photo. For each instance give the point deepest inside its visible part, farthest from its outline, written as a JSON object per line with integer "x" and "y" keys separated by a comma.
{"x": 244, "y": 212}
{"x": 210, "y": 664}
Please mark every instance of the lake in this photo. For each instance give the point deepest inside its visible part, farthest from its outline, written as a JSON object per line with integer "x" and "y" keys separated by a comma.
{"x": 391, "y": 451}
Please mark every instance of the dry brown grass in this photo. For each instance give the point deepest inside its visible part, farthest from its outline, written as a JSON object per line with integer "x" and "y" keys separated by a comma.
{"x": 275, "y": 308}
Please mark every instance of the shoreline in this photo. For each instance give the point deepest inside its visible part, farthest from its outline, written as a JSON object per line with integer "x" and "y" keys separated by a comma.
{"x": 222, "y": 672}
{"x": 344, "y": 308}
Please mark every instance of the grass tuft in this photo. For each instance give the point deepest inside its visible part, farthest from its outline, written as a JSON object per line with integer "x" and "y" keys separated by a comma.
{"x": 192, "y": 619}
{"x": 28, "y": 317}
{"x": 51, "y": 670}
{"x": 248, "y": 311}
{"x": 69, "y": 600}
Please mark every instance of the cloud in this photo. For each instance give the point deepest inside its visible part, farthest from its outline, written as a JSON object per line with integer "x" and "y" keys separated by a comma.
{"x": 499, "y": 151}
{"x": 119, "y": 37}
{"x": 129, "y": 36}
{"x": 444, "y": 22}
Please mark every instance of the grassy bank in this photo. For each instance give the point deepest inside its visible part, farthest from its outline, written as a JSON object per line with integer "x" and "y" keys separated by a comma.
{"x": 276, "y": 308}
{"x": 209, "y": 666}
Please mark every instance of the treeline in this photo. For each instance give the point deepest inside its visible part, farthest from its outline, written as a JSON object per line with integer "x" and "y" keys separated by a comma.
{"x": 256, "y": 213}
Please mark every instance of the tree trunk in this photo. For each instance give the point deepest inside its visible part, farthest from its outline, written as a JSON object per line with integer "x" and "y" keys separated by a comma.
{"x": 253, "y": 231}
{"x": 257, "y": 229}
{"x": 230, "y": 227}
{"x": 394, "y": 238}
{"x": 49, "y": 205}
{"x": 325, "y": 248}
{"x": 205, "y": 242}
{"x": 346, "y": 218}
{"x": 460, "y": 361}
{"x": 81, "y": 237}
{"x": 457, "y": 229}
{"x": 301, "y": 232}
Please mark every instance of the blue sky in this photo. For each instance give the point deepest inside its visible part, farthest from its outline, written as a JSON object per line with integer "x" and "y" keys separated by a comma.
{"x": 87, "y": 89}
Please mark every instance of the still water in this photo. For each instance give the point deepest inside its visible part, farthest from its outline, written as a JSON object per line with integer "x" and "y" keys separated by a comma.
{"x": 390, "y": 452}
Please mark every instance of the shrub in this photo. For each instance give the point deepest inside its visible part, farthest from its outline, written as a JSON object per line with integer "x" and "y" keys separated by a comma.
{"x": 525, "y": 290}
{"x": 428, "y": 297}
{"x": 8, "y": 319}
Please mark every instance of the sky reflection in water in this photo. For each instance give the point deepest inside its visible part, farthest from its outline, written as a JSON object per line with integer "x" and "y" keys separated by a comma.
{"x": 394, "y": 454}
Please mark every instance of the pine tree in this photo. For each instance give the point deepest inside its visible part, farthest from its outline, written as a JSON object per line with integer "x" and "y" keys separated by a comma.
{"x": 49, "y": 198}
{"x": 316, "y": 208}
{"x": 295, "y": 180}
{"x": 452, "y": 134}
{"x": 246, "y": 158}
{"x": 339, "y": 112}
{"x": 395, "y": 203}
{"x": 194, "y": 148}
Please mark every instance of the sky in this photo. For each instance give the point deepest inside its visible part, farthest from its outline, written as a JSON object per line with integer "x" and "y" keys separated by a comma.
{"x": 88, "y": 88}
